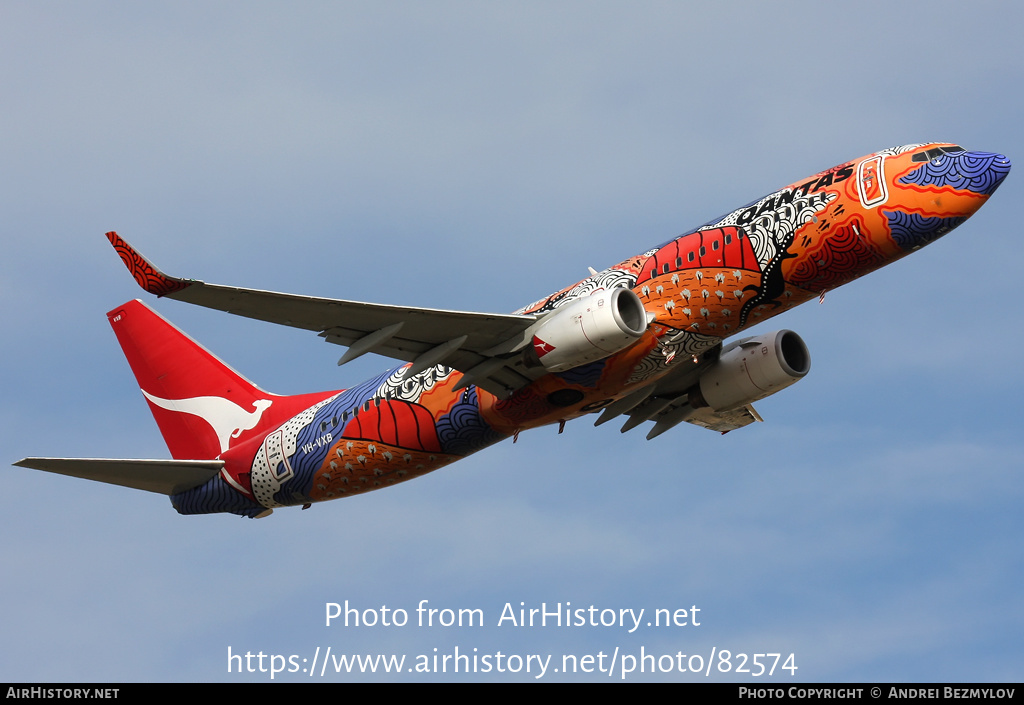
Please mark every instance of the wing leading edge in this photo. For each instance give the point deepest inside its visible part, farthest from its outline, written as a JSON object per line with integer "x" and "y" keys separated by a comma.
{"x": 483, "y": 346}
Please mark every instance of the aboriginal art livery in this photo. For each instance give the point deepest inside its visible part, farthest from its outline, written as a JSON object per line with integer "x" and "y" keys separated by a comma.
{"x": 647, "y": 339}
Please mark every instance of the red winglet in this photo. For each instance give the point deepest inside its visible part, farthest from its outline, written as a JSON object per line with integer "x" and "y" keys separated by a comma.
{"x": 149, "y": 277}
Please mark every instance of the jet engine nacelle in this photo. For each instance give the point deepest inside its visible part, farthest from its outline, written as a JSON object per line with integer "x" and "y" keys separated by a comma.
{"x": 752, "y": 369}
{"x": 588, "y": 329}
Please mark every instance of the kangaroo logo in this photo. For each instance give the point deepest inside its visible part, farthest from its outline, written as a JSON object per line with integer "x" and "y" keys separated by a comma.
{"x": 226, "y": 418}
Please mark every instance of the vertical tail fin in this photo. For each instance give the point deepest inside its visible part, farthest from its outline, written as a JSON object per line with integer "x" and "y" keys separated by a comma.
{"x": 200, "y": 404}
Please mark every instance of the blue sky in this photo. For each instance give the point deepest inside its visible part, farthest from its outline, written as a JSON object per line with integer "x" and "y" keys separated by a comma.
{"x": 481, "y": 156}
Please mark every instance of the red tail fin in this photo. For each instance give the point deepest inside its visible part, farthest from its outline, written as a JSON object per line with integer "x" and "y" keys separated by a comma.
{"x": 201, "y": 405}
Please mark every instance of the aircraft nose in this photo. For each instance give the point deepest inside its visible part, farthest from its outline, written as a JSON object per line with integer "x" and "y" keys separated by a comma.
{"x": 979, "y": 172}
{"x": 974, "y": 172}
{"x": 982, "y": 172}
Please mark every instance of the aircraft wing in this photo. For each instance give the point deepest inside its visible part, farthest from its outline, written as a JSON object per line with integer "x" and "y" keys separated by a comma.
{"x": 666, "y": 403}
{"x": 160, "y": 476}
{"x": 482, "y": 346}
{"x": 668, "y": 411}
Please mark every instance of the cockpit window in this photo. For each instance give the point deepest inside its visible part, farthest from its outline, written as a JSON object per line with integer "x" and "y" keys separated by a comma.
{"x": 936, "y": 152}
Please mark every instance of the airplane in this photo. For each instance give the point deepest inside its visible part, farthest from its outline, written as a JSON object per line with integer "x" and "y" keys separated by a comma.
{"x": 646, "y": 339}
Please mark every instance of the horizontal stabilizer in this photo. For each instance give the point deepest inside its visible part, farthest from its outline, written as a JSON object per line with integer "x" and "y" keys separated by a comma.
{"x": 160, "y": 476}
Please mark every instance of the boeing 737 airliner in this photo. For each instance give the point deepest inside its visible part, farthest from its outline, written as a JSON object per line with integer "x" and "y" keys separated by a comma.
{"x": 652, "y": 338}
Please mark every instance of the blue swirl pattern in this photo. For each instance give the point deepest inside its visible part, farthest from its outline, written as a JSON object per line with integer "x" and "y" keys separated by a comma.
{"x": 463, "y": 430}
{"x": 911, "y": 230}
{"x": 585, "y": 375}
{"x": 980, "y": 172}
{"x": 215, "y": 496}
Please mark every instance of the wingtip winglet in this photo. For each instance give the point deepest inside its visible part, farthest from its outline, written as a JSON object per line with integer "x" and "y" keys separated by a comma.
{"x": 148, "y": 277}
